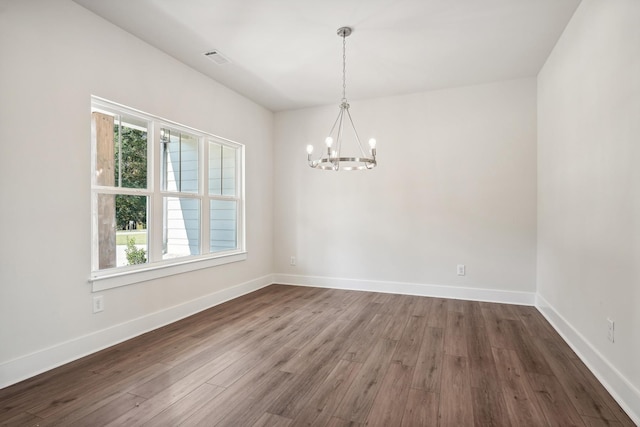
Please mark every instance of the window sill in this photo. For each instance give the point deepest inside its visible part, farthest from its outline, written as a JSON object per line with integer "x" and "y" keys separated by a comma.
{"x": 108, "y": 280}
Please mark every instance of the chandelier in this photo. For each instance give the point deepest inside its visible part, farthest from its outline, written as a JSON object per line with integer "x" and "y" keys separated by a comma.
{"x": 332, "y": 157}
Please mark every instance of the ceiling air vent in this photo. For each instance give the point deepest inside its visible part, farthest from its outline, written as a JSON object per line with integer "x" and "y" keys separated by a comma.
{"x": 217, "y": 57}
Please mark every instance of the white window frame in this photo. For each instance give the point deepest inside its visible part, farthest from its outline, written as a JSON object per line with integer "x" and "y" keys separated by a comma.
{"x": 156, "y": 267}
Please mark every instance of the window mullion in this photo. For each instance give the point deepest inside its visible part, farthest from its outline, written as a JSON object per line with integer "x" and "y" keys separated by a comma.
{"x": 155, "y": 220}
{"x": 240, "y": 194}
{"x": 94, "y": 232}
{"x": 205, "y": 222}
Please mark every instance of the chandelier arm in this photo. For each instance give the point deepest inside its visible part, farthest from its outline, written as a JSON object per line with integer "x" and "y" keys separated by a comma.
{"x": 335, "y": 122}
{"x": 339, "y": 138}
{"x": 339, "y": 131}
{"x": 356, "y": 134}
{"x": 328, "y": 150}
{"x": 371, "y": 165}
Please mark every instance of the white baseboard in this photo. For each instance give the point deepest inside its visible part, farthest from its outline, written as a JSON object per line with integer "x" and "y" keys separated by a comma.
{"x": 627, "y": 396}
{"x": 439, "y": 291}
{"x": 27, "y": 366}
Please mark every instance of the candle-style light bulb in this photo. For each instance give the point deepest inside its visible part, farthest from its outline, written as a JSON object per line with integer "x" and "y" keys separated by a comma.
{"x": 309, "y": 149}
{"x": 329, "y": 141}
{"x": 372, "y": 143}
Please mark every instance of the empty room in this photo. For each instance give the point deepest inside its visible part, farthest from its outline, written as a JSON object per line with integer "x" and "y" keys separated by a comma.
{"x": 320, "y": 213}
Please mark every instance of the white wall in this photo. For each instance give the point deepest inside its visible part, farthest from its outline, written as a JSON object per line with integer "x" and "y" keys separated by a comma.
{"x": 589, "y": 189}
{"x": 456, "y": 184}
{"x": 54, "y": 55}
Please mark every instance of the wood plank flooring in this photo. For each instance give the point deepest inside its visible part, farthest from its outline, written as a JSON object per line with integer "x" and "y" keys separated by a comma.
{"x": 297, "y": 356}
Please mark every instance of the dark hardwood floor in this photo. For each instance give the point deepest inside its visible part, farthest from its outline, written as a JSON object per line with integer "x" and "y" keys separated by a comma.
{"x": 296, "y": 356}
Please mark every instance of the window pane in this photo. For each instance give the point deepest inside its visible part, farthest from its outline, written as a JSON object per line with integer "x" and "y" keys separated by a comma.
{"x": 223, "y": 218}
{"x": 122, "y": 230}
{"x": 181, "y": 234}
{"x": 215, "y": 168}
{"x": 222, "y": 170}
{"x": 228, "y": 171}
{"x": 179, "y": 161}
{"x": 121, "y": 150}
{"x": 130, "y": 140}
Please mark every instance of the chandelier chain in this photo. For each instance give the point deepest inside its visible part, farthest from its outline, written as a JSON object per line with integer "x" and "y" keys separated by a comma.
{"x": 344, "y": 67}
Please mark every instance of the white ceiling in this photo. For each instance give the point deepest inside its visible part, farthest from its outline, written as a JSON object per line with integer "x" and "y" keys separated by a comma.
{"x": 285, "y": 54}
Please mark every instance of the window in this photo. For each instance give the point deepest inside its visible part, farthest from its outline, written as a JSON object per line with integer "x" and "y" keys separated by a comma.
{"x": 163, "y": 195}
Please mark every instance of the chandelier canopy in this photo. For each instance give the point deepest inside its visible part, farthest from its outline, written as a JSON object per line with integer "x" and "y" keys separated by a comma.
{"x": 333, "y": 157}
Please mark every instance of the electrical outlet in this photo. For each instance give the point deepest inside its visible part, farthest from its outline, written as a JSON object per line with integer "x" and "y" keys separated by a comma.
{"x": 610, "y": 329}
{"x": 98, "y": 303}
{"x": 461, "y": 270}
{"x": 293, "y": 260}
